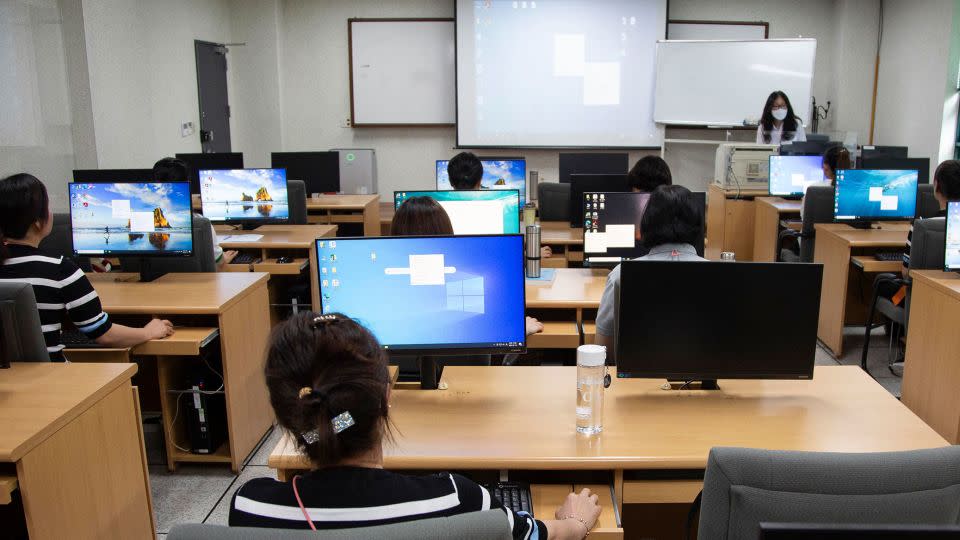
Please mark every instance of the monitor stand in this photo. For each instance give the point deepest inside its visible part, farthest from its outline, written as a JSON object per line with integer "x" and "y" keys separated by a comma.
{"x": 865, "y": 225}
{"x": 430, "y": 372}
{"x": 249, "y": 226}
{"x": 147, "y": 273}
{"x": 705, "y": 384}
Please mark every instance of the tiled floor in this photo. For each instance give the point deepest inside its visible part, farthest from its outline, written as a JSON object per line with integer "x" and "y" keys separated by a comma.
{"x": 202, "y": 494}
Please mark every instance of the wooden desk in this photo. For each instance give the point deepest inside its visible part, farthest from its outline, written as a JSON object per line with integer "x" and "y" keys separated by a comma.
{"x": 730, "y": 222}
{"x": 654, "y": 443}
{"x": 386, "y": 218}
{"x": 237, "y": 304}
{"x": 561, "y": 305}
{"x": 845, "y": 295}
{"x": 769, "y": 212}
{"x": 565, "y": 241}
{"x": 74, "y": 435}
{"x": 344, "y": 209}
{"x": 931, "y": 372}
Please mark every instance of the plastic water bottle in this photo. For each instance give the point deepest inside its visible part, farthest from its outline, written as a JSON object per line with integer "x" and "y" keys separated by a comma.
{"x": 591, "y": 369}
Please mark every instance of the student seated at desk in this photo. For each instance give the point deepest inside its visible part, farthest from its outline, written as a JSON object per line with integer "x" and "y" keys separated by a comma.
{"x": 778, "y": 123}
{"x": 465, "y": 171}
{"x": 329, "y": 387}
{"x": 170, "y": 169}
{"x": 58, "y": 284}
{"x": 649, "y": 173}
{"x": 834, "y": 159}
{"x": 670, "y": 226}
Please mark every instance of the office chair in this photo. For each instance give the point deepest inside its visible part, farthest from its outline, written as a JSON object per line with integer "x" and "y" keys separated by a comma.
{"x": 926, "y": 253}
{"x": 817, "y": 208}
{"x": 554, "y": 200}
{"x": 486, "y": 525}
{"x": 927, "y": 204}
{"x": 60, "y": 242}
{"x": 743, "y": 487}
{"x": 201, "y": 261}
{"x": 297, "y": 199}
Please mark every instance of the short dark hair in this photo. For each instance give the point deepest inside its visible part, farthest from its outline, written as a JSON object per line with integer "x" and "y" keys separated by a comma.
{"x": 420, "y": 216}
{"x": 23, "y": 202}
{"x": 319, "y": 367}
{"x": 171, "y": 169}
{"x": 671, "y": 217}
{"x": 465, "y": 171}
{"x": 836, "y": 157}
{"x": 947, "y": 179}
{"x": 649, "y": 173}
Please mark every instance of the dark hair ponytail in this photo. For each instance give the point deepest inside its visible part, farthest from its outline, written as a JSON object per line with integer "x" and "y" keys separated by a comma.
{"x": 320, "y": 367}
{"x": 836, "y": 157}
{"x": 23, "y": 202}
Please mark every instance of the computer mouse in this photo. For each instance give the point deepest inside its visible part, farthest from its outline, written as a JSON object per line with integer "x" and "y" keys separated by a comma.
{"x": 284, "y": 260}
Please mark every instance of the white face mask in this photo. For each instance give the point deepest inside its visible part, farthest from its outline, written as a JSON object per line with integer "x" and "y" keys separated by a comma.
{"x": 779, "y": 114}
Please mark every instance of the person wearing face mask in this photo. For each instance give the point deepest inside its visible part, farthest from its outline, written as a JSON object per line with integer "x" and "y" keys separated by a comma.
{"x": 778, "y": 123}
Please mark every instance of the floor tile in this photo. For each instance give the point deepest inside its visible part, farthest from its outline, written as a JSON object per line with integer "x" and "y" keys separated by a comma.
{"x": 221, "y": 513}
{"x": 188, "y": 495}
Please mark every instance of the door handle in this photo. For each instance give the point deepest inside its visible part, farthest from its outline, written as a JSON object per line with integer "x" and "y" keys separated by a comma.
{"x": 206, "y": 136}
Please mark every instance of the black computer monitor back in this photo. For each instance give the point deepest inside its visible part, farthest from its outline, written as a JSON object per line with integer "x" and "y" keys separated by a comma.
{"x": 582, "y": 183}
{"x": 320, "y": 171}
{"x": 805, "y": 531}
{"x": 921, "y": 165}
{"x": 717, "y": 320}
{"x": 868, "y": 153}
{"x": 806, "y": 148}
{"x": 209, "y": 161}
{"x": 94, "y": 176}
{"x": 606, "y": 163}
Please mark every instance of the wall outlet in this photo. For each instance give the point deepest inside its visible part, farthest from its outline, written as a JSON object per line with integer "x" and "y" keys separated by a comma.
{"x": 346, "y": 123}
{"x": 186, "y": 129}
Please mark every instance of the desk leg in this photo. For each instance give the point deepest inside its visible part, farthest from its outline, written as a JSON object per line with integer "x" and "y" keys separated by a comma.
{"x": 244, "y": 329}
{"x": 716, "y": 210}
{"x": 766, "y": 233}
{"x": 371, "y": 218}
{"x": 87, "y": 480}
{"x": 834, "y": 254}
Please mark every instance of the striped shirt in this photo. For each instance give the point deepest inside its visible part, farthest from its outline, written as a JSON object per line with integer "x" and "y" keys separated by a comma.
{"x": 906, "y": 253}
{"x": 344, "y": 497}
{"x": 61, "y": 289}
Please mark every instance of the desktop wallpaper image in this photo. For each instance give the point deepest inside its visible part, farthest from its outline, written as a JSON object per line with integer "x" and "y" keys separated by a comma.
{"x": 497, "y": 174}
{"x": 244, "y": 194}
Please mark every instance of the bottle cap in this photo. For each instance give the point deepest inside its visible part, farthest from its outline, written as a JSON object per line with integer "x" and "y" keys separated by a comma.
{"x": 591, "y": 355}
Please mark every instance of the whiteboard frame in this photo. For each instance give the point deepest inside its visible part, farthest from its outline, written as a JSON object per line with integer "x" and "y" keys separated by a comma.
{"x": 765, "y": 25}
{"x": 353, "y": 122}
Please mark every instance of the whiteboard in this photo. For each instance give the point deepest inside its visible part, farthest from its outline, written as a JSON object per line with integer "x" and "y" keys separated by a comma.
{"x": 724, "y": 83}
{"x": 715, "y": 30}
{"x": 402, "y": 72}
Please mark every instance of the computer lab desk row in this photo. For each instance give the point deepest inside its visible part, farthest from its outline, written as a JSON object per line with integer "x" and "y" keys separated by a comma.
{"x": 518, "y": 423}
{"x": 336, "y": 209}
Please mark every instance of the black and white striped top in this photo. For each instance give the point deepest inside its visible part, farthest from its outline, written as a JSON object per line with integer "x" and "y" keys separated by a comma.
{"x": 344, "y": 497}
{"x": 60, "y": 288}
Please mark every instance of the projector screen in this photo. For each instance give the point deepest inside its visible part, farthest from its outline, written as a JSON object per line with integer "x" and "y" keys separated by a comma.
{"x": 558, "y": 73}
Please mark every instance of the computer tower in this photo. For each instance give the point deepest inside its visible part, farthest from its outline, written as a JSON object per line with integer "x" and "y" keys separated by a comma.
{"x": 358, "y": 171}
{"x": 206, "y": 413}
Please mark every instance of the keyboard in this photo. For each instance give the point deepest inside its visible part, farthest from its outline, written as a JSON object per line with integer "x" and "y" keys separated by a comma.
{"x": 513, "y": 495}
{"x": 892, "y": 256}
{"x": 244, "y": 258}
{"x": 74, "y": 339}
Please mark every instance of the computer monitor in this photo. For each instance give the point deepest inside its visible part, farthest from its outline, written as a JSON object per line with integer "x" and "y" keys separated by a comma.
{"x": 591, "y": 163}
{"x": 805, "y": 148}
{"x": 460, "y": 294}
{"x": 807, "y": 531}
{"x": 611, "y": 226}
{"x": 865, "y": 195}
{"x": 921, "y": 165}
{"x": 131, "y": 219}
{"x": 498, "y": 173}
{"x": 244, "y": 196}
{"x": 583, "y": 183}
{"x": 952, "y": 249}
{"x": 678, "y": 320}
{"x": 21, "y": 337}
{"x": 479, "y": 211}
{"x": 791, "y": 175}
{"x": 113, "y": 175}
{"x": 220, "y": 160}
{"x": 868, "y": 153}
{"x": 320, "y": 171}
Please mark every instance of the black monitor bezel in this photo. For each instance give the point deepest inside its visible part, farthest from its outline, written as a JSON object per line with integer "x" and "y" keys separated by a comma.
{"x": 133, "y": 254}
{"x": 195, "y": 171}
{"x": 946, "y": 242}
{"x": 444, "y": 349}
{"x": 252, "y": 221}
{"x": 147, "y": 178}
{"x": 793, "y": 194}
{"x": 867, "y": 219}
{"x": 576, "y": 203}
{"x": 396, "y": 206}
{"x": 308, "y": 183}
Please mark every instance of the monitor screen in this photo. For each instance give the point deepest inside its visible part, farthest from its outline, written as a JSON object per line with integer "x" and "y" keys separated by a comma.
{"x": 130, "y": 219}
{"x": 498, "y": 173}
{"x": 592, "y": 163}
{"x": 244, "y": 195}
{"x": 113, "y": 175}
{"x": 790, "y": 175}
{"x": 874, "y": 195}
{"x": 459, "y": 294}
{"x": 582, "y": 183}
{"x": 699, "y": 331}
{"x": 319, "y": 171}
{"x": 611, "y": 226}
{"x": 921, "y": 165}
{"x": 952, "y": 254}
{"x": 474, "y": 212}
{"x": 209, "y": 160}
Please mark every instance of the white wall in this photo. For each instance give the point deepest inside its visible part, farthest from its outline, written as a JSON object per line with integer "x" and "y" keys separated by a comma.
{"x": 914, "y": 58}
